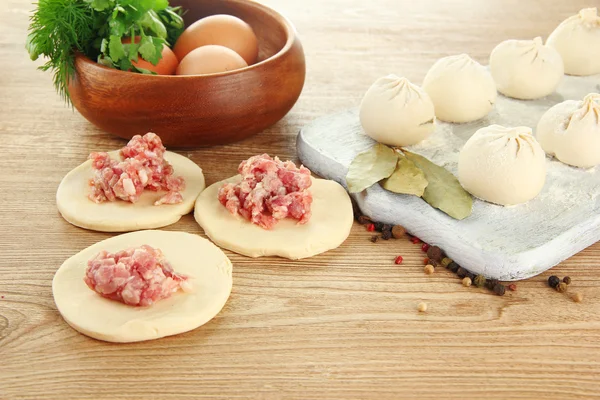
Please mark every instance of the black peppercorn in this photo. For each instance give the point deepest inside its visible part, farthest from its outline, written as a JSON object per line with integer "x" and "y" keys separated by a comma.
{"x": 435, "y": 253}
{"x": 363, "y": 220}
{"x": 386, "y": 234}
{"x": 562, "y": 287}
{"x": 491, "y": 283}
{"x": 480, "y": 281}
{"x": 461, "y": 272}
{"x": 553, "y": 281}
{"x": 374, "y": 238}
{"x": 567, "y": 280}
{"x": 378, "y": 226}
{"x": 453, "y": 266}
{"x": 470, "y": 275}
{"x": 499, "y": 289}
{"x": 446, "y": 261}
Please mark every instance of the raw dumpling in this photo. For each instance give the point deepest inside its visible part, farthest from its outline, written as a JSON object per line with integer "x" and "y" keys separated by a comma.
{"x": 462, "y": 90}
{"x": 526, "y": 69}
{"x": 577, "y": 39}
{"x": 501, "y": 165}
{"x": 396, "y": 112}
{"x": 570, "y": 131}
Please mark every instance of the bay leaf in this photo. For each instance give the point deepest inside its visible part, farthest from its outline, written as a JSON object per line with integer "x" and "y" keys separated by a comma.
{"x": 443, "y": 192}
{"x": 371, "y": 166}
{"x": 406, "y": 179}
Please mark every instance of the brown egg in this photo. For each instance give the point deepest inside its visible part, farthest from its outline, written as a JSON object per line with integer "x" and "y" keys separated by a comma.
{"x": 210, "y": 60}
{"x": 222, "y": 30}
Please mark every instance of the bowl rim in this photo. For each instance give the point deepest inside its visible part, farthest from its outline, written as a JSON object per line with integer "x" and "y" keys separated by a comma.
{"x": 291, "y": 38}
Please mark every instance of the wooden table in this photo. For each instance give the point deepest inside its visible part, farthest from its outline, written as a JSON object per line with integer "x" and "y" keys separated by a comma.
{"x": 342, "y": 325}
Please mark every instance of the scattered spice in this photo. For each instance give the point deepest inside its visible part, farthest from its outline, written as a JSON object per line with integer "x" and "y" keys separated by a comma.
{"x": 435, "y": 253}
{"x": 363, "y": 220}
{"x": 374, "y": 238}
{"x": 398, "y": 260}
{"x": 422, "y": 307}
{"x": 491, "y": 283}
{"x": 371, "y": 227}
{"x": 480, "y": 281}
{"x": 562, "y": 287}
{"x": 386, "y": 235}
{"x": 429, "y": 269}
{"x": 453, "y": 266}
{"x": 499, "y": 289}
{"x": 425, "y": 247}
{"x": 426, "y": 261}
{"x": 398, "y": 231}
{"x": 567, "y": 280}
{"x": 577, "y": 297}
{"x": 2, "y": 296}
{"x": 446, "y": 261}
{"x": 378, "y": 226}
{"x": 415, "y": 240}
{"x": 553, "y": 281}
{"x": 461, "y": 272}
{"x": 512, "y": 287}
{"x": 467, "y": 282}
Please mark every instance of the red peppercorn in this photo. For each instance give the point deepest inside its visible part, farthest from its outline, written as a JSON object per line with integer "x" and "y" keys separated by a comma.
{"x": 371, "y": 227}
{"x": 399, "y": 260}
{"x": 426, "y": 260}
{"x": 415, "y": 240}
{"x": 425, "y": 247}
{"x": 512, "y": 287}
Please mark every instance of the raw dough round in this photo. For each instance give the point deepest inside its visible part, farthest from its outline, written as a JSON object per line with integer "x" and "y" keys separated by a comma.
{"x": 577, "y": 39}
{"x": 570, "y": 131}
{"x": 122, "y": 216}
{"x": 501, "y": 165}
{"x": 329, "y": 226}
{"x": 462, "y": 90}
{"x": 526, "y": 69}
{"x": 396, "y": 112}
{"x": 207, "y": 266}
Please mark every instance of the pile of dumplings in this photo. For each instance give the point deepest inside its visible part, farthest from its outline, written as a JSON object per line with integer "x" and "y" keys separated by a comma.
{"x": 501, "y": 165}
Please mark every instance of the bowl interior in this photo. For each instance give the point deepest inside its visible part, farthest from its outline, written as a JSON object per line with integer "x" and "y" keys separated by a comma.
{"x": 270, "y": 28}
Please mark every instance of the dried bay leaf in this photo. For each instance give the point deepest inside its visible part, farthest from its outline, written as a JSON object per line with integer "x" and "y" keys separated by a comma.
{"x": 443, "y": 192}
{"x": 371, "y": 166}
{"x": 406, "y": 179}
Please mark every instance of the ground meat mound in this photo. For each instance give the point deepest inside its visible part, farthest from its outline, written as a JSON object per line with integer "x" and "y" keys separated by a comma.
{"x": 270, "y": 190}
{"x": 138, "y": 276}
{"x": 142, "y": 167}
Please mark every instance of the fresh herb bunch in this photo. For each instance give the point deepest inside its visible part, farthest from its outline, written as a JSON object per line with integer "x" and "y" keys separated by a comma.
{"x": 96, "y": 28}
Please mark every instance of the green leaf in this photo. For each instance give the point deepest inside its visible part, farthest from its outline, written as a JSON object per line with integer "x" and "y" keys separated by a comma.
{"x": 160, "y": 5}
{"x": 443, "y": 192}
{"x": 151, "y": 49}
{"x": 99, "y": 5}
{"x": 144, "y": 71}
{"x": 370, "y": 167}
{"x": 406, "y": 179}
{"x": 115, "y": 48}
{"x": 31, "y": 47}
{"x": 154, "y": 25}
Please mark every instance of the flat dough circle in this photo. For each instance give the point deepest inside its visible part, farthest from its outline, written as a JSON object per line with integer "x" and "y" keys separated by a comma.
{"x": 123, "y": 216}
{"x": 329, "y": 226}
{"x": 112, "y": 321}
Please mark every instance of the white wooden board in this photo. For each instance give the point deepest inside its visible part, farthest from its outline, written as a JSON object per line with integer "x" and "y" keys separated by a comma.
{"x": 507, "y": 243}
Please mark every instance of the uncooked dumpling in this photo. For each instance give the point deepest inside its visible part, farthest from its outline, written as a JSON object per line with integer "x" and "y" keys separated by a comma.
{"x": 526, "y": 69}
{"x": 396, "y": 112}
{"x": 206, "y": 266}
{"x": 328, "y": 227}
{"x": 121, "y": 216}
{"x": 570, "y": 131}
{"x": 577, "y": 39}
{"x": 502, "y": 165}
{"x": 462, "y": 90}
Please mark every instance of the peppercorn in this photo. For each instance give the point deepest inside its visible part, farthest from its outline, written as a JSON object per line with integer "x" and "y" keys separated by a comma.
{"x": 398, "y": 231}
{"x": 422, "y": 307}
{"x": 374, "y": 238}
{"x": 429, "y": 269}
{"x": 446, "y": 261}
{"x": 562, "y": 287}
{"x": 491, "y": 283}
{"x": 398, "y": 260}
{"x": 480, "y": 281}
{"x": 470, "y": 275}
{"x": 577, "y": 297}
{"x": 425, "y": 247}
{"x": 426, "y": 261}
{"x": 435, "y": 253}
{"x": 512, "y": 287}
{"x": 386, "y": 235}
{"x": 461, "y": 272}
{"x": 553, "y": 281}
{"x": 499, "y": 289}
{"x": 415, "y": 240}
{"x": 567, "y": 280}
{"x": 378, "y": 226}
{"x": 467, "y": 282}
{"x": 371, "y": 227}
{"x": 453, "y": 266}
{"x": 363, "y": 220}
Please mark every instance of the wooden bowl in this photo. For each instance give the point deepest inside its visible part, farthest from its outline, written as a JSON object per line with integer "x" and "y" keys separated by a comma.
{"x": 188, "y": 111}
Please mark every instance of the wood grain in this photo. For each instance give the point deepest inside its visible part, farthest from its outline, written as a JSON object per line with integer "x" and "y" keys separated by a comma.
{"x": 342, "y": 325}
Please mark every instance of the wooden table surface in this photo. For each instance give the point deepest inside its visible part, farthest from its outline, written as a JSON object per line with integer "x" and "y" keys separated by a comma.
{"x": 342, "y": 325}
